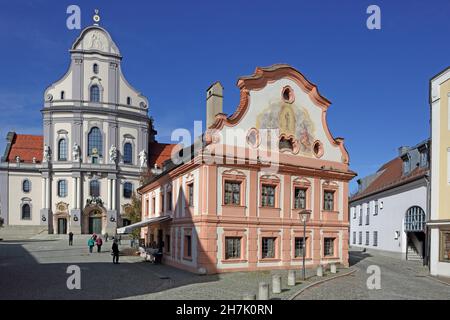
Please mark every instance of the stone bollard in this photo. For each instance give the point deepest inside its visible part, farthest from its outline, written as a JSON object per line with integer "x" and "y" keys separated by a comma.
{"x": 249, "y": 296}
{"x": 320, "y": 271}
{"x": 291, "y": 278}
{"x": 276, "y": 283}
{"x": 263, "y": 293}
{"x": 333, "y": 268}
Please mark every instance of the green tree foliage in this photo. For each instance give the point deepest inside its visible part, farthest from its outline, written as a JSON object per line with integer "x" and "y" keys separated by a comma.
{"x": 135, "y": 214}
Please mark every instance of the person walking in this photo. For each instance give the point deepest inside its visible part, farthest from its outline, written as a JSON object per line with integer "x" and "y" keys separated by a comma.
{"x": 70, "y": 238}
{"x": 115, "y": 252}
{"x": 91, "y": 244}
{"x": 99, "y": 243}
{"x": 106, "y": 237}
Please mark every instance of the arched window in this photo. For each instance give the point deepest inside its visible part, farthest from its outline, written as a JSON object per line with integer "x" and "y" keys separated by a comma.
{"x": 94, "y": 188}
{"x": 415, "y": 219}
{"x": 95, "y": 68}
{"x": 95, "y": 94}
{"x": 127, "y": 190}
{"x": 26, "y": 212}
{"x": 128, "y": 101}
{"x": 63, "y": 95}
{"x": 95, "y": 143}
{"x": 26, "y": 186}
{"x": 62, "y": 150}
{"x": 62, "y": 188}
{"x": 127, "y": 153}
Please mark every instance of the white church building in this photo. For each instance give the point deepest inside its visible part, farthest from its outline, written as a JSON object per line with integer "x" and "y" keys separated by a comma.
{"x": 80, "y": 174}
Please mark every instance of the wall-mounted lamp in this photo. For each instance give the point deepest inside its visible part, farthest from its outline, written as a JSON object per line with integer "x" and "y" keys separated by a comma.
{"x": 381, "y": 204}
{"x": 44, "y": 218}
{"x": 75, "y": 218}
{"x": 112, "y": 219}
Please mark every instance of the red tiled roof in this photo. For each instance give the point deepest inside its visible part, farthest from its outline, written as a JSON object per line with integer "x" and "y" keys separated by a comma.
{"x": 26, "y": 147}
{"x": 390, "y": 175}
{"x": 159, "y": 152}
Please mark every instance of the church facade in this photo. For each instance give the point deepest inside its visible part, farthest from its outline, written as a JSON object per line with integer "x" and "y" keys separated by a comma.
{"x": 80, "y": 174}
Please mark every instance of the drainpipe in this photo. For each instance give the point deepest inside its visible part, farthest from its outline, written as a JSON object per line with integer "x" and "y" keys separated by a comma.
{"x": 427, "y": 233}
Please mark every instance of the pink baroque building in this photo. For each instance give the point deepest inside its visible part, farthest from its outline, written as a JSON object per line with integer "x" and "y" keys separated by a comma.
{"x": 231, "y": 201}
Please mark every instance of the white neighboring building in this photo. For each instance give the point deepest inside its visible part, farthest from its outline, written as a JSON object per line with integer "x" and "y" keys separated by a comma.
{"x": 390, "y": 208}
{"x": 79, "y": 176}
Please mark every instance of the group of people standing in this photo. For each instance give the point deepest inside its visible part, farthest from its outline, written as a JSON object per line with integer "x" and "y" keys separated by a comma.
{"x": 96, "y": 240}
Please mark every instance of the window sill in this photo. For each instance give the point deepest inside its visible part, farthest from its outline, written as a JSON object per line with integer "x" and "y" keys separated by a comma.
{"x": 270, "y": 260}
{"x": 329, "y": 211}
{"x": 187, "y": 258}
{"x": 234, "y": 260}
{"x": 300, "y": 259}
{"x": 329, "y": 258}
{"x": 233, "y": 206}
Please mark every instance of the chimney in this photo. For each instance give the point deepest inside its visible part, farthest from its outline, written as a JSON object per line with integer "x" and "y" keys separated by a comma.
{"x": 214, "y": 102}
{"x": 402, "y": 150}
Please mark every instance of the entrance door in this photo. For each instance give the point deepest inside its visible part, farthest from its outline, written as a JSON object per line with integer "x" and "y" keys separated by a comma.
{"x": 62, "y": 225}
{"x": 95, "y": 225}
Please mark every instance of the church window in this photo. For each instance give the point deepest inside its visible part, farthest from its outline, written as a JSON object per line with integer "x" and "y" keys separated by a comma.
{"x": 95, "y": 143}
{"x": 128, "y": 153}
{"x": 128, "y": 101}
{"x": 62, "y": 188}
{"x": 26, "y": 186}
{"x": 94, "y": 188}
{"x": 127, "y": 190}
{"x": 95, "y": 68}
{"x": 95, "y": 94}
{"x": 62, "y": 150}
{"x": 26, "y": 212}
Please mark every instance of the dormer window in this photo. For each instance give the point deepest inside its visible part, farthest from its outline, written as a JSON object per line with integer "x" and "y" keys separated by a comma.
{"x": 406, "y": 164}
{"x": 128, "y": 101}
{"x": 423, "y": 156}
{"x": 95, "y": 68}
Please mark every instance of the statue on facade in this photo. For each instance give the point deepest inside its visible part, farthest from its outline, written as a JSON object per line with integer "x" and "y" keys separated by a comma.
{"x": 143, "y": 158}
{"x": 76, "y": 152}
{"x": 46, "y": 153}
{"x": 113, "y": 154}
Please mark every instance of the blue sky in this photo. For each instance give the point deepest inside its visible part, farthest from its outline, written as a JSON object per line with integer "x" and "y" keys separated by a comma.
{"x": 377, "y": 80}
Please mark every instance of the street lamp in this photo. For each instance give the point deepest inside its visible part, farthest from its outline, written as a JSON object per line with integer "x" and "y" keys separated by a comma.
{"x": 304, "y": 217}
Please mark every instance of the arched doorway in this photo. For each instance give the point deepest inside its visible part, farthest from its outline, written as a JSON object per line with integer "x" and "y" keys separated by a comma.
{"x": 94, "y": 220}
{"x": 61, "y": 218}
{"x": 415, "y": 224}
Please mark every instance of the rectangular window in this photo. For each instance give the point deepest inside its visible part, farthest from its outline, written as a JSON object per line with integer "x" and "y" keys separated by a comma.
{"x": 354, "y": 237}
{"x": 300, "y": 198}
{"x": 360, "y": 216}
{"x": 376, "y": 209}
{"x": 188, "y": 246}
{"x": 328, "y": 248}
{"x": 367, "y": 215}
{"x": 153, "y": 205}
{"x": 169, "y": 200}
{"x": 147, "y": 207}
{"x": 360, "y": 238}
{"x": 268, "y": 247}
{"x": 190, "y": 198}
{"x": 328, "y": 200}
{"x": 268, "y": 195}
{"x": 167, "y": 244}
{"x": 232, "y": 248}
{"x": 354, "y": 213}
{"x": 375, "y": 238}
{"x": 300, "y": 247}
{"x": 445, "y": 246}
{"x": 367, "y": 237}
{"x": 232, "y": 193}
{"x": 163, "y": 202}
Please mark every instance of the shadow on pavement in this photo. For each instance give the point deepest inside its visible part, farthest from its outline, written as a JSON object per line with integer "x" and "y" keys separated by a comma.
{"x": 356, "y": 256}
{"x": 23, "y": 277}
